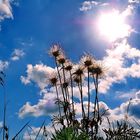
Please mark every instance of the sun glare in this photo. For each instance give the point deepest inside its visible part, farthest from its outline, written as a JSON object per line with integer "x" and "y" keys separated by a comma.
{"x": 113, "y": 26}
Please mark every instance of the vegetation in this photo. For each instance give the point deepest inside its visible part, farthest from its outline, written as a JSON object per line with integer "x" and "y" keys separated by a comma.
{"x": 87, "y": 125}
{"x": 69, "y": 76}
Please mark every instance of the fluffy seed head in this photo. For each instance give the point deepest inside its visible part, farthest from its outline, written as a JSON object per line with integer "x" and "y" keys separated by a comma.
{"x": 55, "y": 50}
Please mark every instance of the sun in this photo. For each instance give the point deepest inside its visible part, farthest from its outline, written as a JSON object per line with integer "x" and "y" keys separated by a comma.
{"x": 113, "y": 26}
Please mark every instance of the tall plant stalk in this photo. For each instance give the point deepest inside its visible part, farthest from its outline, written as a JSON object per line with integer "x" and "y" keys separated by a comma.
{"x": 81, "y": 93}
{"x": 60, "y": 80}
{"x": 88, "y": 124}
{"x": 72, "y": 96}
{"x": 58, "y": 99}
{"x": 88, "y": 94}
{"x": 66, "y": 94}
{"x": 59, "y": 76}
{"x": 64, "y": 76}
{"x": 96, "y": 103}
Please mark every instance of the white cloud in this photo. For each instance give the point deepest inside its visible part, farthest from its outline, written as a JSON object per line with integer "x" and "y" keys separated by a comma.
{"x": 50, "y": 129}
{"x": 127, "y": 111}
{"x": 5, "y": 10}
{"x": 38, "y": 74}
{"x": 131, "y": 107}
{"x": 119, "y": 65}
{"x": 45, "y": 106}
{"x": 116, "y": 114}
{"x": 88, "y": 5}
{"x": 17, "y": 54}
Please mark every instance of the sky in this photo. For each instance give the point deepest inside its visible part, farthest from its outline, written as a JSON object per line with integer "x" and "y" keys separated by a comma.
{"x": 29, "y": 28}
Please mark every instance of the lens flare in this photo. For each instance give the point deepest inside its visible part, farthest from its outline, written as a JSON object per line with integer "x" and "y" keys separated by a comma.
{"x": 112, "y": 26}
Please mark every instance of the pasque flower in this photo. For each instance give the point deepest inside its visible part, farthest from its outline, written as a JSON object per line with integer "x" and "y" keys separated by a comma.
{"x": 87, "y": 60}
{"x": 68, "y": 65}
{"x": 53, "y": 79}
{"x": 61, "y": 59}
{"x": 55, "y": 50}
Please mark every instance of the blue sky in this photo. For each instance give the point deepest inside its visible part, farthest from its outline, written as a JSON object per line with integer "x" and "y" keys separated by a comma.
{"x": 29, "y": 28}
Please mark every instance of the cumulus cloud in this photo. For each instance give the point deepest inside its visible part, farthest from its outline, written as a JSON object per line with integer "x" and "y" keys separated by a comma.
{"x": 50, "y": 129}
{"x": 88, "y": 5}
{"x": 45, "y": 106}
{"x": 116, "y": 114}
{"x": 122, "y": 62}
{"x": 38, "y": 74}
{"x": 133, "y": 104}
{"x": 128, "y": 111}
{"x": 5, "y": 10}
{"x": 17, "y": 54}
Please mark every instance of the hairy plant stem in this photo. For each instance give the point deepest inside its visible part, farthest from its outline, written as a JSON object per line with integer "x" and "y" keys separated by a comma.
{"x": 81, "y": 93}
{"x": 58, "y": 100}
{"x": 95, "y": 97}
{"x": 97, "y": 100}
{"x": 64, "y": 76}
{"x": 96, "y": 94}
{"x": 66, "y": 94}
{"x": 72, "y": 93}
{"x": 59, "y": 76}
{"x": 88, "y": 95}
{"x": 96, "y": 103}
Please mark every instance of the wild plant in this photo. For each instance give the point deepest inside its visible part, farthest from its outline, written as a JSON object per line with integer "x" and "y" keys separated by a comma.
{"x": 66, "y": 78}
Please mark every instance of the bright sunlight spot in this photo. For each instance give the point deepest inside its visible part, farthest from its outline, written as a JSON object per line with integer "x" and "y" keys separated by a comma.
{"x": 112, "y": 26}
